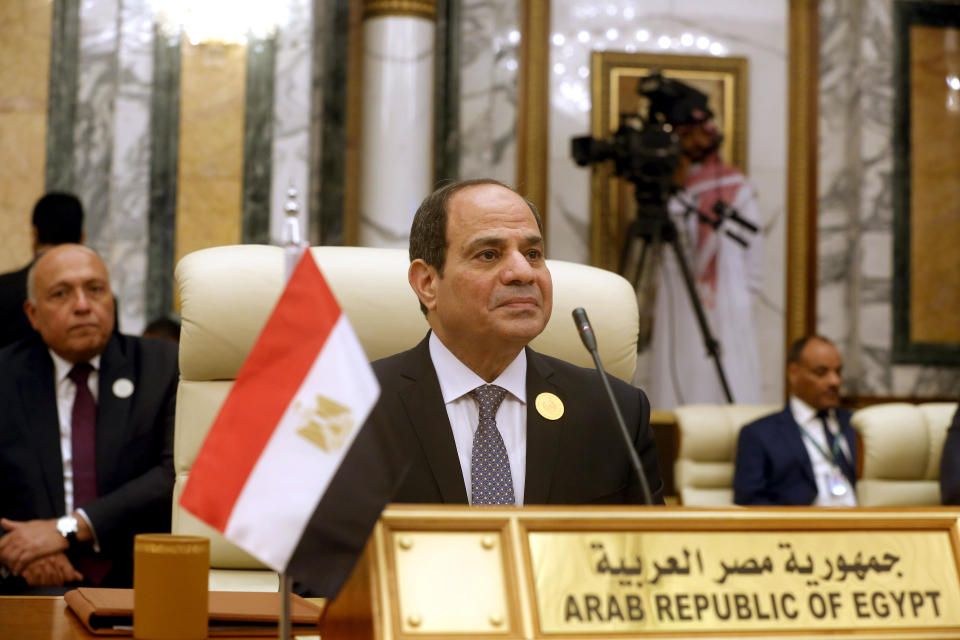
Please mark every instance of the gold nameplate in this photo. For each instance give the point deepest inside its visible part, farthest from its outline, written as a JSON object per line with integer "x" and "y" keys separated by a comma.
{"x": 586, "y": 573}
{"x": 745, "y": 581}
{"x": 549, "y": 406}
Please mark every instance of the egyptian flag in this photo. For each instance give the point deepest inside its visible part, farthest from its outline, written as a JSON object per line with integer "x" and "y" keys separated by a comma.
{"x": 291, "y": 428}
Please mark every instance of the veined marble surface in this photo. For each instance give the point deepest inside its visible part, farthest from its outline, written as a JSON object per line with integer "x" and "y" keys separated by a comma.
{"x": 291, "y": 115}
{"x": 855, "y": 225}
{"x": 112, "y": 134}
{"x": 489, "y": 41}
{"x": 756, "y": 31}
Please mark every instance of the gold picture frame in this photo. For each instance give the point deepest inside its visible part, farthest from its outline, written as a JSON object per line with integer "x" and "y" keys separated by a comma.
{"x": 615, "y": 76}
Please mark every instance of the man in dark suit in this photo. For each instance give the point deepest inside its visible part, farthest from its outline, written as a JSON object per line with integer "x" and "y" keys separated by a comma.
{"x": 950, "y": 463}
{"x": 807, "y": 453}
{"x": 57, "y": 218}
{"x": 487, "y": 419}
{"x": 86, "y": 432}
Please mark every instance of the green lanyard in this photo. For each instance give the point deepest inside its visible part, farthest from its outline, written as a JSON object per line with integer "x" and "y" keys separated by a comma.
{"x": 836, "y": 451}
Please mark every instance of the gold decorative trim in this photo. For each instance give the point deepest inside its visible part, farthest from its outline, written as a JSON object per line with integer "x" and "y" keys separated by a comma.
{"x": 532, "y": 104}
{"x": 173, "y": 547}
{"x": 416, "y": 8}
{"x": 354, "y": 128}
{"x": 801, "y": 274}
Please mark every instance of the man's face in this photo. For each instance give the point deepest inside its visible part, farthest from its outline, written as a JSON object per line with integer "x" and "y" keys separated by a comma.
{"x": 73, "y": 306}
{"x": 698, "y": 140}
{"x": 817, "y": 377}
{"x": 496, "y": 290}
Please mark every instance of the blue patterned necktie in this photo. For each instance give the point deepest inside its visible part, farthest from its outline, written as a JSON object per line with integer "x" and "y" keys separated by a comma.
{"x": 490, "y": 479}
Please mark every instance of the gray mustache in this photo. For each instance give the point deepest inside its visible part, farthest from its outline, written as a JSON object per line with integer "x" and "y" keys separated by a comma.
{"x": 517, "y": 291}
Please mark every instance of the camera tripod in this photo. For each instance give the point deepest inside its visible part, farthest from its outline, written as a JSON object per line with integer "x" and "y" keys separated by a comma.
{"x": 654, "y": 227}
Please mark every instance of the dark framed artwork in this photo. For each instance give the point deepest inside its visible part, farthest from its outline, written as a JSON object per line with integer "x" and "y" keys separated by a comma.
{"x": 926, "y": 206}
{"x": 615, "y": 77}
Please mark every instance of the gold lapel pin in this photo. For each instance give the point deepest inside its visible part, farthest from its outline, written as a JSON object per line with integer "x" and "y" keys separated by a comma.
{"x": 549, "y": 406}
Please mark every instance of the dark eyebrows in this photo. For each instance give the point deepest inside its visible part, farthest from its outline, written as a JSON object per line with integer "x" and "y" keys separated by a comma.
{"x": 498, "y": 242}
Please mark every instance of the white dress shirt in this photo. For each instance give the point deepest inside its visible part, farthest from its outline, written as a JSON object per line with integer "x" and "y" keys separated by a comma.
{"x": 66, "y": 393}
{"x": 823, "y": 467}
{"x": 456, "y": 382}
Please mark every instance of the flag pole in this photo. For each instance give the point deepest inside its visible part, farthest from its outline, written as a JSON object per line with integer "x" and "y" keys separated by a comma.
{"x": 286, "y": 586}
{"x": 293, "y": 247}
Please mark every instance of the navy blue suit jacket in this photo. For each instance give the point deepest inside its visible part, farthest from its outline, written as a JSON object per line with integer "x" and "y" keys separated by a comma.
{"x": 773, "y": 466}
{"x": 950, "y": 463}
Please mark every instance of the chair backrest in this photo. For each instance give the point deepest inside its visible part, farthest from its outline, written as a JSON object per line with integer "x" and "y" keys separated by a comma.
{"x": 227, "y": 294}
{"x": 902, "y": 444}
{"x": 708, "y": 433}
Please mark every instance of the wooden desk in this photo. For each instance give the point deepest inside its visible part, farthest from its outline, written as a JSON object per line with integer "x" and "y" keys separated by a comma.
{"x": 48, "y": 618}
{"x": 39, "y": 618}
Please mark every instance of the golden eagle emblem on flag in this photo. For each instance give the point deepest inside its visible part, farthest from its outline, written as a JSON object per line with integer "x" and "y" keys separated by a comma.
{"x": 328, "y": 425}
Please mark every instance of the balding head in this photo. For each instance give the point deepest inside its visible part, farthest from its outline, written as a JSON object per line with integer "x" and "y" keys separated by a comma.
{"x": 70, "y": 302}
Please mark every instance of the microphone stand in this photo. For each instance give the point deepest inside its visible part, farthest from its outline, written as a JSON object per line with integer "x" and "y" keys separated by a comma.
{"x": 590, "y": 342}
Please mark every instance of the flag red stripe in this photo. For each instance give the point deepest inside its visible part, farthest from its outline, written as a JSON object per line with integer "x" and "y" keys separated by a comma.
{"x": 248, "y": 418}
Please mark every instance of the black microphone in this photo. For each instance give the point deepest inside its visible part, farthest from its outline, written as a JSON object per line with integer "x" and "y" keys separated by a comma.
{"x": 590, "y": 342}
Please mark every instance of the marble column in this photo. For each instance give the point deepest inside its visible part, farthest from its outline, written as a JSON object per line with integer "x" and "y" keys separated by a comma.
{"x": 396, "y": 150}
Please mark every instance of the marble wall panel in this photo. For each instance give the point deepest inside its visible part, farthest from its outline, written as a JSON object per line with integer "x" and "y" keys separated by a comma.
{"x": 111, "y": 153}
{"x": 124, "y": 234}
{"x": 94, "y": 125}
{"x": 855, "y": 224}
{"x": 62, "y": 102}
{"x": 489, "y": 63}
{"x": 25, "y": 55}
{"x": 333, "y": 149}
{"x": 291, "y": 115}
{"x": 164, "y": 145}
{"x": 753, "y": 30}
{"x": 258, "y": 139}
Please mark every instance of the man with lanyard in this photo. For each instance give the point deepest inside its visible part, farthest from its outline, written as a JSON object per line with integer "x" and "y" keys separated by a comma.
{"x": 807, "y": 453}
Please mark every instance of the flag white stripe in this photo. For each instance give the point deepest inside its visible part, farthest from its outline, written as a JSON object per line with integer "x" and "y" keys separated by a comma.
{"x": 292, "y": 474}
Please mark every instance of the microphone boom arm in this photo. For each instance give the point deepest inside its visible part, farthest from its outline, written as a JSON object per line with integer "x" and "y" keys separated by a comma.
{"x": 590, "y": 342}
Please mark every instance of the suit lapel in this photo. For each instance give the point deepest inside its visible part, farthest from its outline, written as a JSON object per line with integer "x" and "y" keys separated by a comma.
{"x": 112, "y": 411}
{"x": 428, "y": 418}
{"x": 42, "y": 427}
{"x": 543, "y": 436}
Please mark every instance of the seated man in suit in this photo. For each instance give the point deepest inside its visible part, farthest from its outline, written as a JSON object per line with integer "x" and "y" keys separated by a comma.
{"x": 950, "y": 463}
{"x": 86, "y": 433}
{"x": 807, "y": 453}
{"x": 57, "y": 218}
{"x": 487, "y": 419}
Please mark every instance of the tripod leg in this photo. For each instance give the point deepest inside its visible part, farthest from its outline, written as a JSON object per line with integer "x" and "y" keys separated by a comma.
{"x": 713, "y": 347}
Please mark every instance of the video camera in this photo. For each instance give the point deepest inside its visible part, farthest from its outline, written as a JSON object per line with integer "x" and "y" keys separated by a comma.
{"x": 647, "y": 155}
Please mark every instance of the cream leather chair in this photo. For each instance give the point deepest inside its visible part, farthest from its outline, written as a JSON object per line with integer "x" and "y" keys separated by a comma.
{"x": 902, "y": 444}
{"x": 227, "y": 293}
{"x": 703, "y": 472}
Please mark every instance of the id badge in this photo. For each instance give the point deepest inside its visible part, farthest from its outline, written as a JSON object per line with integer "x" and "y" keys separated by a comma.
{"x": 837, "y": 484}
